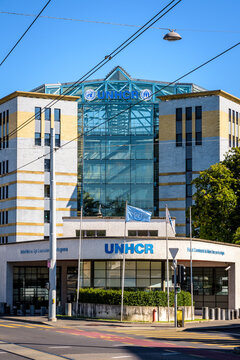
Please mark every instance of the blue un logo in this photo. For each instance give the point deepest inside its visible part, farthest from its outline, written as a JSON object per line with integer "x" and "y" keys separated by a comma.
{"x": 90, "y": 95}
{"x": 146, "y": 94}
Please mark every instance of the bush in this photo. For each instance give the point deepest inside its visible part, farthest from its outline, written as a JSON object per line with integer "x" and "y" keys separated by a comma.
{"x": 132, "y": 298}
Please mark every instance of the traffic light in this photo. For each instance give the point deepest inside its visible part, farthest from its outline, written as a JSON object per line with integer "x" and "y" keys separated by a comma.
{"x": 182, "y": 275}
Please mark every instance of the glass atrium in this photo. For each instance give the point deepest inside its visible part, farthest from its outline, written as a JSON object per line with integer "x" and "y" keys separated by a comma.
{"x": 118, "y": 117}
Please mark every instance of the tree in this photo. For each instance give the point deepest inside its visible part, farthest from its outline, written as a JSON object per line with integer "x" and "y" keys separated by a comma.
{"x": 236, "y": 236}
{"x": 215, "y": 203}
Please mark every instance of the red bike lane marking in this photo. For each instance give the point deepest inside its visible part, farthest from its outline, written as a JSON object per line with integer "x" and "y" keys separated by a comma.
{"x": 206, "y": 352}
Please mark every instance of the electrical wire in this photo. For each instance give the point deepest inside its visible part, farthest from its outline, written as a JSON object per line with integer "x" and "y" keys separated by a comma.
{"x": 114, "y": 24}
{"x": 107, "y": 120}
{"x": 106, "y": 59}
{"x": 25, "y": 32}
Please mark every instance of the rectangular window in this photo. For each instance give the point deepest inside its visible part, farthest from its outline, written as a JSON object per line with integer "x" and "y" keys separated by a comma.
{"x": 48, "y": 114}
{"x": 3, "y": 218}
{"x": 3, "y": 136}
{"x": 179, "y": 127}
{"x": 7, "y": 167}
{"x": 57, "y": 140}
{"x": 3, "y": 192}
{"x": 7, "y": 127}
{"x": 6, "y": 217}
{"x": 57, "y": 114}
{"x": 0, "y": 131}
{"x": 189, "y": 190}
{"x": 3, "y": 167}
{"x": 0, "y": 195}
{"x": 47, "y": 165}
{"x": 188, "y": 114}
{"x": 188, "y": 164}
{"x": 230, "y": 141}
{"x": 0, "y": 168}
{"x": 188, "y": 126}
{"x": 6, "y": 192}
{"x": 47, "y": 191}
{"x": 6, "y": 239}
{"x": 37, "y": 113}
{"x": 46, "y": 216}
{"x": 198, "y": 125}
{"x": 233, "y": 117}
{"x": 37, "y": 138}
{"x": 47, "y": 139}
{"x": 189, "y": 139}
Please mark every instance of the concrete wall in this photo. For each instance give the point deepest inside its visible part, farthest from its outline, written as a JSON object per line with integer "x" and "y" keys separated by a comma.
{"x": 131, "y": 313}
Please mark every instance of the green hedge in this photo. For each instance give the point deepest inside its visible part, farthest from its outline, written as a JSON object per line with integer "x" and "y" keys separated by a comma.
{"x": 132, "y": 298}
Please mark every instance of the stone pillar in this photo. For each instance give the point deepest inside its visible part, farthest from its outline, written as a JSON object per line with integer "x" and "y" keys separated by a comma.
{"x": 223, "y": 314}
{"x": 217, "y": 313}
{"x": 205, "y": 313}
{"x": 212, "y": 314}
{"x": 68, "y": 309}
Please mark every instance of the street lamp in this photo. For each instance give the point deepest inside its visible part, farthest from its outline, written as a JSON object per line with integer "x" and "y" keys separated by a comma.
{"x": 172, "y": 35}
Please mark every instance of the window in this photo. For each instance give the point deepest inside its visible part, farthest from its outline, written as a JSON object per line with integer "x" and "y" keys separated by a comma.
{"x": 6, "y": 217}
{"x": 179, "y": 127}
{"x": 0, "y": 130}
{"x": 189, "y": 190}
{"x": 188, "y": 164}
{"x": 146, "y": 233}
{"x": 6, "y": 192}
{"x": 46, "y": 216}
{"x": 198, "y": 125}
{"x": 3, "y": 130}
{"x": 3, "y": 192}
{"x": 7, "y": 127}
{"x": 57, "y": 114}
{"x": 6, "y": 166}
{"x": 37, "y": 113}
{"x": 91, "y": 233}
{"x": 37, "y": 138}
{"x": 47, "y": 191}
{"x": 3, "y": 167}
{"x": 57, "y": 140}
{"x": 188, "y": 126}
{"x": 48, "y": 114}
{"x": 189, "y": 139}
{"x": 3, "y": 218}
{"x": 0, "y": 168}
{"x": 47, "y": 165}
{"x": 47, "y": 139}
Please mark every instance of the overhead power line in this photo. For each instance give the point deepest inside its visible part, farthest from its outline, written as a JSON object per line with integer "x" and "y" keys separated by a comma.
{"x": 129, "y": 107}
{"x": 104, "y": 61}
{"x": 25, "y": 32}
{"x": 113, "y": 23}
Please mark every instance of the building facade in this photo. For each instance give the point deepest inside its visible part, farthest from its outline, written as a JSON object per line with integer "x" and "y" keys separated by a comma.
{"x": 24, "y": 272}
{"x": 195, "y": 131}
{"x": 25, "y": 164}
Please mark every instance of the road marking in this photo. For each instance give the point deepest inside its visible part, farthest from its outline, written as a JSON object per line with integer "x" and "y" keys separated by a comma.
{"x": 59, "y": 347}
{"x": 121, "y": 357}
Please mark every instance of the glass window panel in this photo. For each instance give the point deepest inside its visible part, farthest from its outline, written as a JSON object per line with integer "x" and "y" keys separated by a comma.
{"x": 143, "y": 282}
{"x": 130, "y": 265}
{"x": 99, "y": 282}
{"x": 99, "y": 264}
{"x": 132, "y": 233}
{"x": 156, "y": 282}
{"x": 142, "y": 232}
{"x": 143, "y": 265}
{"x": 130, "y": 273}
{"x": 142, "y": 172}
{"x": 130, "y": 282}
{"x": 113, "y": 282}
{"x": 118, "y": 172}
{"x": 155, "y": 265}
{"x": 153, "y": 232}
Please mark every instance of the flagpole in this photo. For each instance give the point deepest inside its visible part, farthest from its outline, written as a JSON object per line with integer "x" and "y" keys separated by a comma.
{"x": 123, "y": 262}
{"x": 191, "y": 270}
{"x": 167, "y": 268}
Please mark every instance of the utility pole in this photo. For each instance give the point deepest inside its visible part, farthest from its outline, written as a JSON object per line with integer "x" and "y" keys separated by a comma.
{"x": 52, "y": 239}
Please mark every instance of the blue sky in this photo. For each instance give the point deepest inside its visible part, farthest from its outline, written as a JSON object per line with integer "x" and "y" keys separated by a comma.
{"x": 61, "y": 51}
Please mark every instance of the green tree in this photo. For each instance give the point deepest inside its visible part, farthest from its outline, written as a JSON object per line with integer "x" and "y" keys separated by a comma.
{"x": 236, "y": 236}
{"x": 215, "y": 203}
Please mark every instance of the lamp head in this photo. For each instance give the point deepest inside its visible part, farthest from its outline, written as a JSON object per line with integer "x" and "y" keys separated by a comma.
{"x": 172, "y": 35}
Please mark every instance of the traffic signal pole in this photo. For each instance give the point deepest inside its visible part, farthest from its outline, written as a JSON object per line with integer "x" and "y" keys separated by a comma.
{"x": 175, "y": 292}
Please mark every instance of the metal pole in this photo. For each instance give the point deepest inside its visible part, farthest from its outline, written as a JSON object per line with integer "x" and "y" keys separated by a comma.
{"x": 52, "y": 244}
{"x": 191, "y": 272}
{"x": 79, "y": 259}
{"x": 167, "y": 268}
{"x": 123, "y": 264}
{"x": 175, "y": 292}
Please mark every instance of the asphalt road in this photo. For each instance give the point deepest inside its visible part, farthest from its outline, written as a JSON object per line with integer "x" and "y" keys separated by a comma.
{"x": 105, "y": 342}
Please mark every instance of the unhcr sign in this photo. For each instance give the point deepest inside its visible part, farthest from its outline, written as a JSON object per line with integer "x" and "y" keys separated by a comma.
{"x": 129, "y": 248}
{"x": 91, "y": 95}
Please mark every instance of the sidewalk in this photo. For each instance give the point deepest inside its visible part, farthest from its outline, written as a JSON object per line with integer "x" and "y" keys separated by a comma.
{"x": 67, "y": 322}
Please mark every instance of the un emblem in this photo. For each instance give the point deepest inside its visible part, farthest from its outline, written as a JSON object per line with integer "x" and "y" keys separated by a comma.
{"x": 146, "y": 94}
{"x": 90, "y": 95}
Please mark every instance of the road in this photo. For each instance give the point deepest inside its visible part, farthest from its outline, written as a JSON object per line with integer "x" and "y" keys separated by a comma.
{"x": 80, "y": 341}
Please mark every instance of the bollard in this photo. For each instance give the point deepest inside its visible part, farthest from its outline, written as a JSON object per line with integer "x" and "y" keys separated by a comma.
{"x": 227, "y": 314}
{"x": 235, "y": 314}
{"x": 223, "y": 314}
{"x": 23, "y": 309}
{"x": 32, "y": 310}
{"x": 205, "y": 313}
{"x": 68, "y": 309}
{"x": 232, "y": 314}
{"x": 154, "y": 318}
{"x": 43, "y": 310}
{"x": 212, "y": 314}
{"x": 217, "y": 313}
